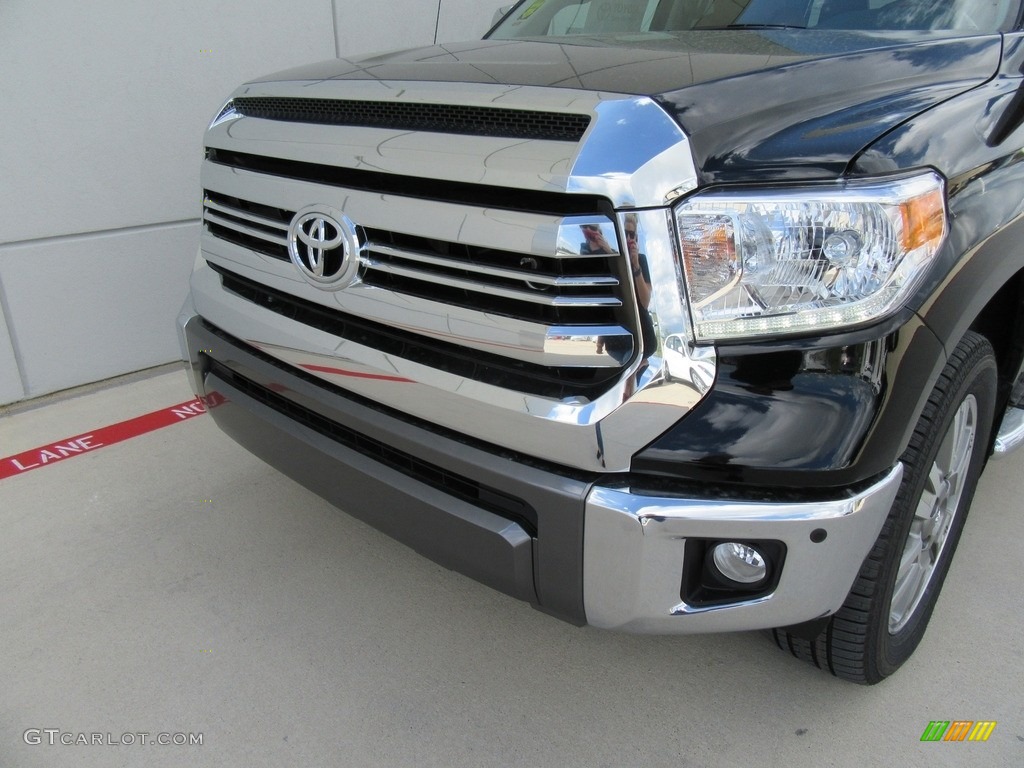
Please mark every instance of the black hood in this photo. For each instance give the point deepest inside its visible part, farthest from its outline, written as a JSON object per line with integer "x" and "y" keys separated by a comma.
{"x": 766, "y": 104}
{"x": 585, "y": 64}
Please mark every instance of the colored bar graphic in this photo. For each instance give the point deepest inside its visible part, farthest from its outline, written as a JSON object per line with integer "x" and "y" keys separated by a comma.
{"x": 935, "y": 731}
{"x": 982, "y": 730}
{"x": 958, "y": 730}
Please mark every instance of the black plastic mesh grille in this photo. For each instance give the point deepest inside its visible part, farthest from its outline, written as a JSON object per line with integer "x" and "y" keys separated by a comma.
{"x": 434, "y": 118}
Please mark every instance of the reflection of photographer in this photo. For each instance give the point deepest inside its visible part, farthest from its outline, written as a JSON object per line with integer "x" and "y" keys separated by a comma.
{"x": 594, "y": 240}
{"x": 617, "y": 346}
{"x": 641, "y": 285}
{"x": 641, "y": 272}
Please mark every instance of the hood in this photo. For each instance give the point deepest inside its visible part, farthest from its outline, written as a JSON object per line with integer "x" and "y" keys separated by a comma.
{"x": 584, "y": 64}
{"x": 770, "y": 104}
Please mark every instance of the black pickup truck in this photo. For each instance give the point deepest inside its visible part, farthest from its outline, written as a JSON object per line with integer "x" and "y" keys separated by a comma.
{"x": 662, "y": 315}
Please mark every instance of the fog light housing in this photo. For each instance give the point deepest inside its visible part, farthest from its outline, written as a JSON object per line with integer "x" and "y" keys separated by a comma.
{"x": 720, "y": 572}
{"x": 739, "y": 563}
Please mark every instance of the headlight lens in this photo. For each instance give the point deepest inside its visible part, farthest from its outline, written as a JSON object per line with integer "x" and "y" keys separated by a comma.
{"x": 809, "y": 259}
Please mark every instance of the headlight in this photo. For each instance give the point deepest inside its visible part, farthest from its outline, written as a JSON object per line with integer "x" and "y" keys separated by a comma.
{"x": 807, "y": 259}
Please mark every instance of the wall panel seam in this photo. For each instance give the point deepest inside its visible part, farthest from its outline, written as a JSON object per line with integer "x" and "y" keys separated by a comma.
{"x": 97, "y": 234}
{"x": 9, "y": 323}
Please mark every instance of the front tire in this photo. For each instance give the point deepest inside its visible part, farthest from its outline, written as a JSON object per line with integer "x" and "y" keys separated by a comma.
{"x": 887, "y": 611}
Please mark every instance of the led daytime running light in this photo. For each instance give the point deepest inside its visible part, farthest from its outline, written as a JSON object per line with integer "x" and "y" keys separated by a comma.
{"x": 811, "y": 259}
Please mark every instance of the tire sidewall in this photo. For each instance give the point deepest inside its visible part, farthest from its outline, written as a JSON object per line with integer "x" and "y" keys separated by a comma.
{"x": 977, "y": 376}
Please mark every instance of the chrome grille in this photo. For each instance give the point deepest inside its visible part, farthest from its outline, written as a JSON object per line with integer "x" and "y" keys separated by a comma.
{"x": 534, "y": 382}
{"x": 261, "y": 228}
{"x": 507, "y": 372}
{"x": 565, "y": 288}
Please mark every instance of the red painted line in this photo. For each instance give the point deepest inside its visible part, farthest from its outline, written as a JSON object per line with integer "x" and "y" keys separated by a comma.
{"x": 46, "y": 455}
{"x": 356, "y": 374}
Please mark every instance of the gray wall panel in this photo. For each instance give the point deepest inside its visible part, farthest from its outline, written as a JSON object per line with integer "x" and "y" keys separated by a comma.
{"x": 89, "y": 308}
{"x": 105, "y": 103}
{"x": 10, "y": 377}
{"x": 104, "y": 107}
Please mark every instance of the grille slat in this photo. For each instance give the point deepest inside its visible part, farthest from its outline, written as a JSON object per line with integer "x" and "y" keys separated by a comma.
{"x": 559, "y": 301}
{"x": 237, "y": 213}
{"x": 494, "y": 290}
{"x": 564, "y": 289}
{"x": 456, "y": 119}
{"x": 431, "y": 190}
{"x": 244, "y": 229}
{"x": 549, "y": 381}
{"x": 522, "y": 276}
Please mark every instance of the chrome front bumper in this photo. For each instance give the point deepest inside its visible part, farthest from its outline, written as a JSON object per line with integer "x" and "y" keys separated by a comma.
{"x": 633, "y": 557}
{"x": 632, "y": 546}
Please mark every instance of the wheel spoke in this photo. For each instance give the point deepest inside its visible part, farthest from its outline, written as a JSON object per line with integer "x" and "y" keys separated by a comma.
{"x": 906, "y": 595}
{"x": 929, "y": 495}
{"x": 944, "y": 456}
{"x": 911, "y": 553}
{"x": 963, "y": 447}
{"x": 934, "y": 514}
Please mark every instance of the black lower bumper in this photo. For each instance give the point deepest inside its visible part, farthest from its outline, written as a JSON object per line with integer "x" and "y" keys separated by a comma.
{"x": 516, "y": 529}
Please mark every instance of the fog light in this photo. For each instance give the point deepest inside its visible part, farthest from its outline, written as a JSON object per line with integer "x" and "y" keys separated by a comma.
{"x": 740, "y": 563}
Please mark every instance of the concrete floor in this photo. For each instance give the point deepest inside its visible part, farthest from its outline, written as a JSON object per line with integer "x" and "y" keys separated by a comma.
{"x": 174, "y": 584}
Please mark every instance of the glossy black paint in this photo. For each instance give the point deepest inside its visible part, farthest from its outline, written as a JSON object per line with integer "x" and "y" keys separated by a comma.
{"x": 807, "y": 416}
{"x": 814, "y": 428}
{"x": 581, "y": 64}
{"x": 977, "y": 141}
{"x": 808, "y": 119}
{"x": 768, "y": 105}
{"x": 779, "y": 106}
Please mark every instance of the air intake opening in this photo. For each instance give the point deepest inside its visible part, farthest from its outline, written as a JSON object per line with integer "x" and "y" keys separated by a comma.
{"x": 433, "y": 118}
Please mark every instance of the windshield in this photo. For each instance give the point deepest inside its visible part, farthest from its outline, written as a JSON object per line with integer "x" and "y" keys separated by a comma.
{"x": 617, "y": 18}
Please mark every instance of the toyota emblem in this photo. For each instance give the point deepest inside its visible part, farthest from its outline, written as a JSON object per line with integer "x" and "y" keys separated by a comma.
{"x": 323, "y": 244}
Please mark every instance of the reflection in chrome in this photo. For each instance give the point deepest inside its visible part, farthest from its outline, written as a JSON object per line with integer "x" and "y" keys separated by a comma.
{"x": 322, "y": 244}
{"x": 555, "y": 290}
{"x": 238, "y": 220}
{"x": 634, "y": 551}
{"x": 632, "y": 173}
{"x": 1011, "y": 433}
{"x": 227, "y": 112}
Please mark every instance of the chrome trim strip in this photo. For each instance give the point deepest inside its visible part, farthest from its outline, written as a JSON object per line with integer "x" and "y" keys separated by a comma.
{"x": 470, "y": 285}
{"x": 577, "y": 347}
{"x": 634, "y": 556}
{"x": 240, "y": 214}
{"x": 258, "y": 233}
{"x": 508, "y": 274}
{"x": 1011, "y": 433}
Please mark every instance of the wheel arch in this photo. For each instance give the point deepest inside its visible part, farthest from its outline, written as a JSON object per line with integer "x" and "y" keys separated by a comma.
{"x": 1001, "y": 321}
